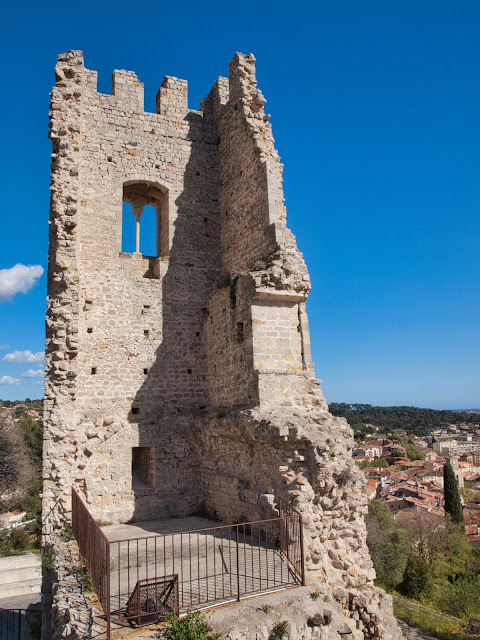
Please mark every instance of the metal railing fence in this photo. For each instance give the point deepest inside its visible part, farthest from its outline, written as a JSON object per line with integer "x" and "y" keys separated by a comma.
{"x": 20, "y": 624}
{"x": 94, "y": 547}
{"x": 213, "y": 565}
{"x": 291, "y": 541}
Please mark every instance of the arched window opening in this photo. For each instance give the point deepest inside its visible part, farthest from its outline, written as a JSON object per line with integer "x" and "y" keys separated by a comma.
{"x": 128, "y": 228}
{"x": 146, "y": 230}
{"x": 145, "y": 219}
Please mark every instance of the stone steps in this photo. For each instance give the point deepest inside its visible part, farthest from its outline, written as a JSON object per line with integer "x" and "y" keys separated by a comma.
{"x": 20, "y": 575}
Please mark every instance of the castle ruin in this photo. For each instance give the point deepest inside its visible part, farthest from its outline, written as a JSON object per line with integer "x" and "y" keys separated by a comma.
{"x": 182, "y": 381}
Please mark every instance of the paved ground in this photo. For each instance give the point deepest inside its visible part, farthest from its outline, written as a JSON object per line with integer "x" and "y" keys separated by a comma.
{"x": 211, "y": 563}
{"x": 13, "y": 623}
{"x": 20, "y": 602}
{"x": 155, "y": 527}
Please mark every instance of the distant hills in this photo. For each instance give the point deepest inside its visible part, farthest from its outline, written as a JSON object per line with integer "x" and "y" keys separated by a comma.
{"x": 414, "y": 420}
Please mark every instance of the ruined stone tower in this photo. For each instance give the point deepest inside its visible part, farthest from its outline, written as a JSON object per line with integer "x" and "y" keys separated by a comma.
{"x": 182, "y": 381}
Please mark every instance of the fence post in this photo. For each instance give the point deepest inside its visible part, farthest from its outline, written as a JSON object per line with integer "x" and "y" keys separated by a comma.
{"x": 302, "y": 559}
{"x": 287, "y": 535}
{"x": 139, "y": 602}
{"x": 238, "y": 567}
{"x": 108, "y": 589}
{"x": 89, "y": 545}
{"x": 282, "y": 524}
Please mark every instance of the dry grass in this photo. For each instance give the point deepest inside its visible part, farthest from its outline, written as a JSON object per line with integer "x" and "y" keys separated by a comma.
{"x": 439, "y": 625}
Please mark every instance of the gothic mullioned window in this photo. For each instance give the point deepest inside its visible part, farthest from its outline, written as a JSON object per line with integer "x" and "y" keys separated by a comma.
{"x": 146, "y": 231}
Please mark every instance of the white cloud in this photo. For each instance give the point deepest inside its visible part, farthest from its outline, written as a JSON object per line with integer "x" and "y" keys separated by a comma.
{"x": 18, "y": 279}
{"x": 38, "y": 382}
{"x": 24, "y": 356}
{"x": 3, "y": 346}
{"x": 9, "y": 380}
{"x": 33, "y": 373}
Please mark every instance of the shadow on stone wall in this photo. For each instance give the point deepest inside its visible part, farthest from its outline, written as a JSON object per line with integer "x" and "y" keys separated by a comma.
{"x": 176, "y": 384}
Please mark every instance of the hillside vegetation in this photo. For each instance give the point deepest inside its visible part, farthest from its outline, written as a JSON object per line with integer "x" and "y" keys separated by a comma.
{"x": 420, "y": 422}
{"x": 20, "y": 473}
{"x": 425, "y": 558}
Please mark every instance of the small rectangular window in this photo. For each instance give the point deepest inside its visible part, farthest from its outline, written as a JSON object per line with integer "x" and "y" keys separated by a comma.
{"x": 94, "y": 371}
{"x": 135, "y": 410}
{"x": 240, "y": 331}
{"x": 143, "y": 466}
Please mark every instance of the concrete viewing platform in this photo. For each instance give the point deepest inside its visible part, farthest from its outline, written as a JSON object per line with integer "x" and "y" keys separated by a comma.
{"x": 215, "y": 563}
{"x": 148, "y": 528}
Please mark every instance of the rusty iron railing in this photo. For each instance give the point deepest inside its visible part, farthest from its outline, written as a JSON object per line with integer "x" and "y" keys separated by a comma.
{"x": 94, "y": 547}
{"x": 214, "y": 565}
{"x": 16, "y": 623}
{"x": 291, "y": 540}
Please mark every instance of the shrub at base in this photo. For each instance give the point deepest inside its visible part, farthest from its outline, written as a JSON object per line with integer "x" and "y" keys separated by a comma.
{"x": 192, "y": 627}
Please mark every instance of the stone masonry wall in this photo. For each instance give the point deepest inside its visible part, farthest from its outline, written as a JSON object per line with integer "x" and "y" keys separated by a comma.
{"x": 183, "y": 381}
{"x": 232, "y": 380}
{"x": 253, "y": 216}
{"x": 125, "y": 336}
{"x": 255, "y": 240}
{"x": 69, "y": 611}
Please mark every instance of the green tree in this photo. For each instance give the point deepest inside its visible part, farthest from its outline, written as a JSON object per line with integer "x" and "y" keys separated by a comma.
{"x": 19, "y": 411}
{"x": 441, "y": 543}
{"x": 31, "y": 502}
{"x": 376, "y": 462}
{"x": 388, "y": 544}
{"x": 474, "y": 562}
{"x": 15, "y": 467}
{"x": 32, "y": 431}
{"x": 415, "y": 578}
{"x": 15, "y": 542}
{"x": 414, "y": 453}
{"x": 460, "y": 598}
{"x": 453, "y": 506}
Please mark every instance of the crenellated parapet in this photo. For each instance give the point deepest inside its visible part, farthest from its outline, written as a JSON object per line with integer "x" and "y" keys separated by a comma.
{"x": 172, "y": 97}
{"x": 171, "y": 100}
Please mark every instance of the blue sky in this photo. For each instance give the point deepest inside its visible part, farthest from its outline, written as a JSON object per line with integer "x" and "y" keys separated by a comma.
{"x": 375, "y": 111}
